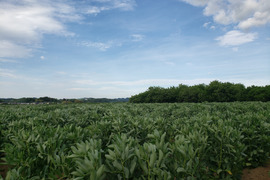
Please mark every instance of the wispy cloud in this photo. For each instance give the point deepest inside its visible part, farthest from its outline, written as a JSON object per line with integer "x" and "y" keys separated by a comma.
{"x": 129, "y": 88}
{"x": 105, "y": 5}
{"x": 144, "y": 82}
{"x": 213, "y": 27}
{"x": 196, "y": 2}
{"x": 137, "y": 37}
{"x": 23, "y": 23}
{"x": 235, "y": 49}
{"x": 7, "y": 73}
{"x": 208, "y": 25}
{"x": 61, "y": 73}
{"x": 8, "y": 61}
{"x": 95, "y": 10}
{"x": 102, "y": 46}
{"x": 236, "y": 38}
{"x": 124, "y": 4}
{"x": 9, "y": 49}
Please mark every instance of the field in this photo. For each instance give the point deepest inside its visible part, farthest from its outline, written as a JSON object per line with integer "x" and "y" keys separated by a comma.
{"x": 133, "y": 141}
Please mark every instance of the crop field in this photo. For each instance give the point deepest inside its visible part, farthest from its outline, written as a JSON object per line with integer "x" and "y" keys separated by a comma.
{"x": 133, "y": 141}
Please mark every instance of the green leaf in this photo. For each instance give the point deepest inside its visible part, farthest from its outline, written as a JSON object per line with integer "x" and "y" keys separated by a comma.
{"x": 248, "y": 164}
{"x": 162, "y": 138}
{"x": 133, "y": 165}
{"x": 100, "y": 171}
{"x": 152, "y": 159}
{"x": 180, "y": 169}
{"x": 160, "y": 157}
{"x": 117, "y": 165}
{"x": 126, "y": 171}
{"x": 137, "y": 152}
{"x": 77, "y": 173}
{"x": 219, "y": 171}
{"x": 144, "y": 167}
{"x": 109, "y": 157}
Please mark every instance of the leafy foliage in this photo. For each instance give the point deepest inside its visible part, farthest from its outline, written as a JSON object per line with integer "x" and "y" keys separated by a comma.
{"x": 214, "y": 92}
{"x": 134, "y": 141}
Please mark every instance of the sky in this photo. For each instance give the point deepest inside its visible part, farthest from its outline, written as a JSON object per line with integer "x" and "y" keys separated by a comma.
{"x": 119, "y": 48}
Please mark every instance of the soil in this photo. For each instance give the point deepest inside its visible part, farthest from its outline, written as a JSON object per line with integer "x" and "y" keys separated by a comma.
{"x": 259, "y": 173}
{"x": 3, "y": 169}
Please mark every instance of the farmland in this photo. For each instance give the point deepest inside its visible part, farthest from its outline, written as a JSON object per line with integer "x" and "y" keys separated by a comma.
{"x": 134, "y": 141}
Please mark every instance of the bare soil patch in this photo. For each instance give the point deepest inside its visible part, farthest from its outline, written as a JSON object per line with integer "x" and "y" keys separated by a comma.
{"x": 3, "y": 169}
{"x": 259, "y": 173}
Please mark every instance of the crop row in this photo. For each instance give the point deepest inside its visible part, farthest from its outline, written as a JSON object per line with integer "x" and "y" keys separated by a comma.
{"x": 134, "y": 141}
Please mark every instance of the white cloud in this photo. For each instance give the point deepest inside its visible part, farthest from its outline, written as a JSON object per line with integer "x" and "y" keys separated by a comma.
{"x": 81, "y": 89}
{"x": 213, "y": 27}
{"x": 244, "y": 13}
{"x": 137, "y": 37}
{"x": 7, "y": 61}
{"x": 235, "y": 49}
{"x": 235, "y": 38}
{"x": 13, "y": 50}
{"x": 105, "y": 5}
{"x": 61, "y": 73}
{"x": 124, "y": 4}
{"x": 95, "y": 10}
{"x": 144, "y": 82}
{"x": 23, "y": 23}
{"x": 196, "y": 2}
{"x": 42, "y": 57}
{"x": 258, "y": 19}
{"x": 99, "y": 45}
{"x": 6, "y": 73}
{"x": 128, "y": 88}
{"x": 170, "y": 63}
{"x": 26, "y": 22}
{"x": 206, "y": 24}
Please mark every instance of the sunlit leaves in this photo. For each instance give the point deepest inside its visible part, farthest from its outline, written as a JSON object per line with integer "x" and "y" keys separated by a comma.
{"x": 134, "y": 141}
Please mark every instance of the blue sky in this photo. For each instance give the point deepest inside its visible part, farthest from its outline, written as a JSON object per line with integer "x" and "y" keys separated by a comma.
{"x": 119, "y": 48}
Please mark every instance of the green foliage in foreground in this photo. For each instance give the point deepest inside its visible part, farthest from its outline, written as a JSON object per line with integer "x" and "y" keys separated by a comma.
{"x": 134, "y": 141}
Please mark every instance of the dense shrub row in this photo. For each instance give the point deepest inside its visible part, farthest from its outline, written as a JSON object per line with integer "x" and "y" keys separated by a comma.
{"x": 134, "y": 141}
{"x": 214, "y": 92}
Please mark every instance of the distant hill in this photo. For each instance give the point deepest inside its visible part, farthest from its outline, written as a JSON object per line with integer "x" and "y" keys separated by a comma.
{"x": 103, "y": 100}
{"x": 40, "y": 100}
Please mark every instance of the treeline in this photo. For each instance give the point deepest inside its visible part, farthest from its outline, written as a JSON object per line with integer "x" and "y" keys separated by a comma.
{"x": 28, "y": 100}
{"x": 41, "y": 100}
{"x": 103, "y": 100}
{"x": 214, "y": 92}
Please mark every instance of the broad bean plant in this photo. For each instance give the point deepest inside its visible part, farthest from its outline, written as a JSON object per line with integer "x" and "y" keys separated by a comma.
{"x": 133, "y": 141}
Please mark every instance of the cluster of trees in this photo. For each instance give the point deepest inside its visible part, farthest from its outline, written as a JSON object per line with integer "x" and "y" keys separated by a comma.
{"x": 214, "y": 92}
{"x": 30, "y": 100}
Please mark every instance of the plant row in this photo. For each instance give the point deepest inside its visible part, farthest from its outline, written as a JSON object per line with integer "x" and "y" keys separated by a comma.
{"x": 134, "y": 141}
